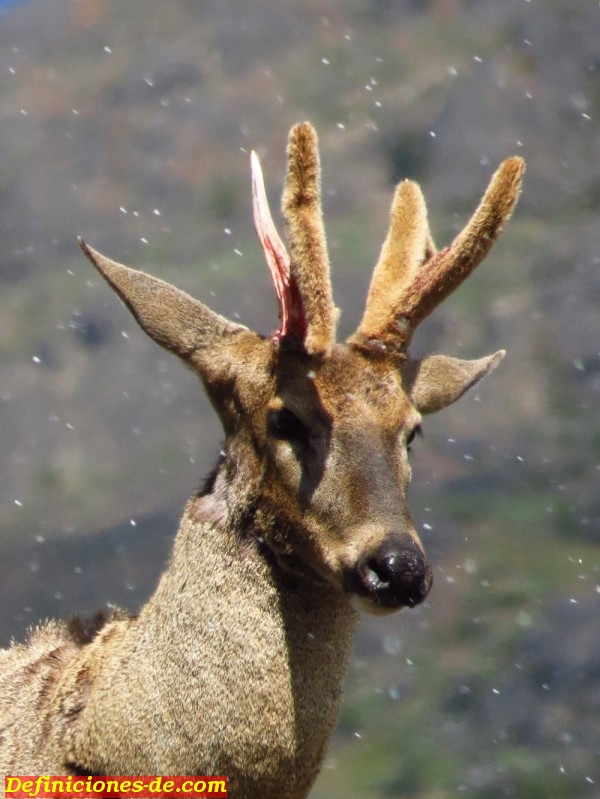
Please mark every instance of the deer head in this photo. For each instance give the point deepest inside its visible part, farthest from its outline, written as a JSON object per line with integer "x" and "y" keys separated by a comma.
{"x": 317, "y": 433}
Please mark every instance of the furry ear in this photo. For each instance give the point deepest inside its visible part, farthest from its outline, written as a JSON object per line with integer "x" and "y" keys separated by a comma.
{"x": 224, "y": 354}
{"x": 174, "y": 320}
{"x": 437, "y": 381}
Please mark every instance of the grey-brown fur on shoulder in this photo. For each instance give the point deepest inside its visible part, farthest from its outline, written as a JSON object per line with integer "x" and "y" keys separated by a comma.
{"x": 83, "y": 630}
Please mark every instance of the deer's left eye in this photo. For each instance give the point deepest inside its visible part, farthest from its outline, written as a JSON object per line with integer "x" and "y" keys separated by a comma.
{"x": 285, "y": 425}
{"x": 416, "y": 431}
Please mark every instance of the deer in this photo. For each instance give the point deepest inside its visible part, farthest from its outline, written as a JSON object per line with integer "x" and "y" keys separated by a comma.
{"x": 236, "y": 663}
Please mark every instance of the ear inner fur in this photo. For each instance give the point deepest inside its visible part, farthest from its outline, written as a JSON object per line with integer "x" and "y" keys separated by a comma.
{"x": 437, "y": 381}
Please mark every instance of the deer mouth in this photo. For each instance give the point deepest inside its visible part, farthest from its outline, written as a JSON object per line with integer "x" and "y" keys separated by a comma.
{"x": 390, "y": 579}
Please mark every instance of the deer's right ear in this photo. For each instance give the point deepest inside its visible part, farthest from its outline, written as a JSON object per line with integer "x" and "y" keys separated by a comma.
{"x": 437, "y": 381}
{"x": 174, "y": 320}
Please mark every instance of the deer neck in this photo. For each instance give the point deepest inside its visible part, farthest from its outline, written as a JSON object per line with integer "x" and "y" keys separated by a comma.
{"x": 229, "y": 648}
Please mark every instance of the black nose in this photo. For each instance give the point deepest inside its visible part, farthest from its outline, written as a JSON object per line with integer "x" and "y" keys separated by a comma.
{"x": 393, "y": 577}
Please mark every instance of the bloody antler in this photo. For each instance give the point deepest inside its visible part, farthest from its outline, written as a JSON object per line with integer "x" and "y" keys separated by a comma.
{"x": 301, "y": 279}
{"x": 291, "y": 312}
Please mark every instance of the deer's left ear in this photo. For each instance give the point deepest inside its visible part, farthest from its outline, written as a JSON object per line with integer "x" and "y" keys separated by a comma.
{"x": 437, "y": 381}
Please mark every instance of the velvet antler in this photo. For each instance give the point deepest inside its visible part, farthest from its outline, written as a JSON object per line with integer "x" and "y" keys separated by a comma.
{"x": 411, "y": 279}
{"x": 301, "y": 279}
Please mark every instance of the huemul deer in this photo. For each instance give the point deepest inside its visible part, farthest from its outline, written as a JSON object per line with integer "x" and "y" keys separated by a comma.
{"x": 235, "y": 665}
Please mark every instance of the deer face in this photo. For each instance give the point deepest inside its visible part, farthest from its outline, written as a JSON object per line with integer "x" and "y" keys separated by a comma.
{"x": 318, "y": 432}
{"x": 320, "y": 447}
{"x": 336, "y": 469}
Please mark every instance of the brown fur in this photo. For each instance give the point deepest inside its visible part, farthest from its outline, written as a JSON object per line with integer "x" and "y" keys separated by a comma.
{"x": 235, "y": 665}
{"x": 393, "y": 323}
{"x": 309, "y": 265}
{"x": 402, "y": 254}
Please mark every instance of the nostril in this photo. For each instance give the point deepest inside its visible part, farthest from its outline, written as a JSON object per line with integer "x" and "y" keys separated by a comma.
{"x": 384, "y": 570}
{"x": 397, "y": 577}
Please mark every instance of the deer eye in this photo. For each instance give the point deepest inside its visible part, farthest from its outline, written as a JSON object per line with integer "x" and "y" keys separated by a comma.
{"x": 285, "y": 425}
{"x": 416, "y": 431}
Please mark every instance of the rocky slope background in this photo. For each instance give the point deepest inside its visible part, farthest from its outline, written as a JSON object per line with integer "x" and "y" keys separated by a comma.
{"x": 131, "y": 124}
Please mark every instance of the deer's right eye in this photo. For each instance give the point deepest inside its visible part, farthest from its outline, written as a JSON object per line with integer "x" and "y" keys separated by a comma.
{"x": 416, "y": 431}
{"x": 285, "y": 425}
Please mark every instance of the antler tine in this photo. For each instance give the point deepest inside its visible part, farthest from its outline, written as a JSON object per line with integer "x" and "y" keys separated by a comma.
{"x": 301, "y": 206}
{"x": 291, "y": 312}
{"x": 407, "y": 244}
{"x": 444, "y": 271}
{"x": 447, "y": 269}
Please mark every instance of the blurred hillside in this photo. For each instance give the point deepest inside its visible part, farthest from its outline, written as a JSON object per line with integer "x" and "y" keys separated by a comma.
{"x": 131, "y": 124}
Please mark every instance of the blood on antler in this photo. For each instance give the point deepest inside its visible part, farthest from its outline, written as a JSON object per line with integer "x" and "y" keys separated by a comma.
{"x": 410, "y": 279}
{"x": 301, "y": 280}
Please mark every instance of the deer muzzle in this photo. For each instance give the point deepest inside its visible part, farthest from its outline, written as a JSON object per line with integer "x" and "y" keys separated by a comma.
{"x": 390, "y": 578}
